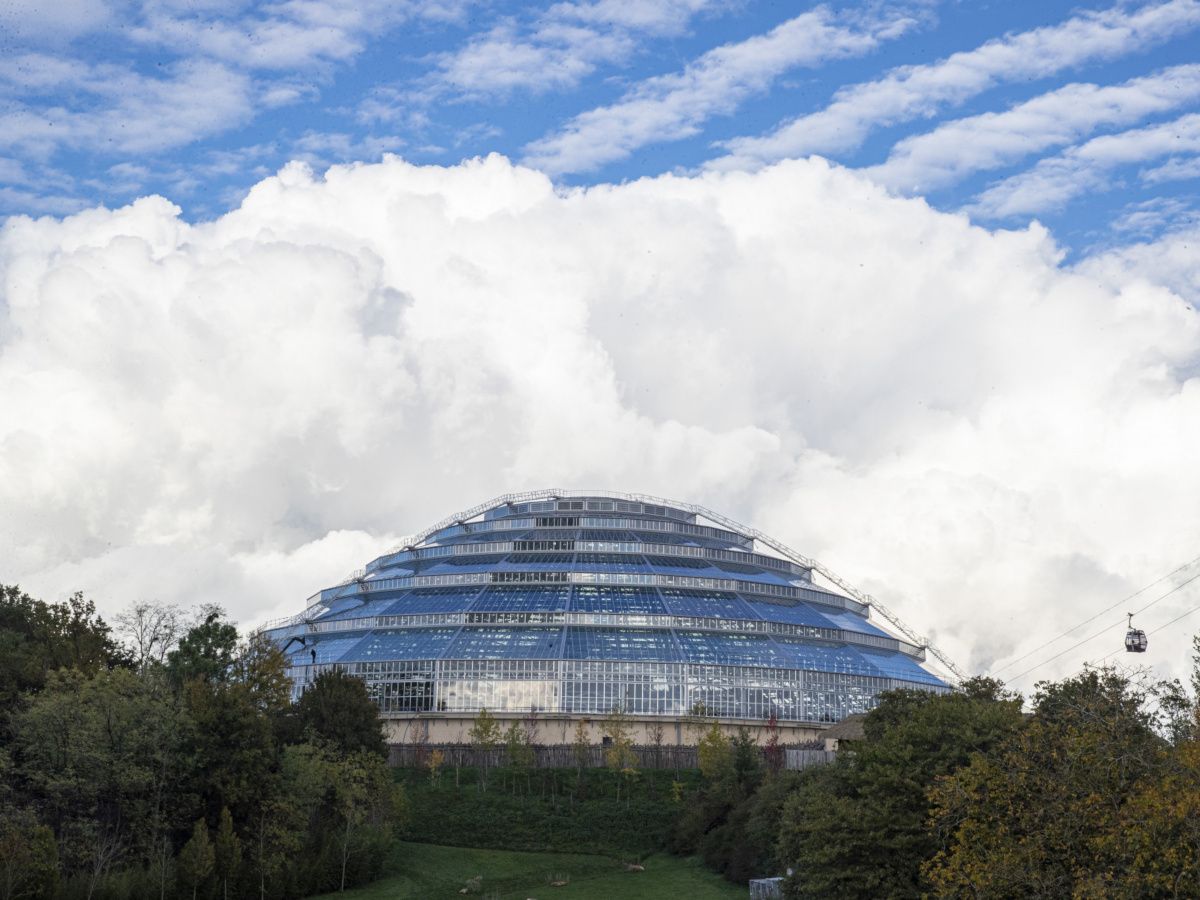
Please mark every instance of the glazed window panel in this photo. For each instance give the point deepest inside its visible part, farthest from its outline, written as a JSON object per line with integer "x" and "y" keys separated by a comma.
{"x": 523, "y": 599}
{"x": 475, "y": 643}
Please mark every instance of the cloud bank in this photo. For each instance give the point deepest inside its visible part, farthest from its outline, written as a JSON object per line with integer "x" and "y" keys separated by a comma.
{"x": 243, "y": 410}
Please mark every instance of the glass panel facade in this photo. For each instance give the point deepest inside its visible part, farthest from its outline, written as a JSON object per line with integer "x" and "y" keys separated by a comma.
{"x": 895, "y": 666}
{"x": 328, "y": 649}
{"x": 505, "y": 643}
{"x": 621, "y": 644}
{"x": 421, "y": 601}
{"x": 581, "y": 604}
{"x": 523, "y": 599}
{"x": 728, "y": 649}
{"x": 799, "y": 614}
{"x": 824, "y": 658}
{"x": 415, "y": 643}
{"x": 851, "y": 622}
{"x": 690, "y": 602}
{"x": 613, "y": 599}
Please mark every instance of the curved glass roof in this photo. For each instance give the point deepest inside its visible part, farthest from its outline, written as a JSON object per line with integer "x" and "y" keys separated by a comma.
{"x": 596, "y": 578}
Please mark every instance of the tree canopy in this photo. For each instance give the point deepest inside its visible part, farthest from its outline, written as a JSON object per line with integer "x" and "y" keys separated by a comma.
{"x": 337, "y": 708}
{"x": 174, "y": 774}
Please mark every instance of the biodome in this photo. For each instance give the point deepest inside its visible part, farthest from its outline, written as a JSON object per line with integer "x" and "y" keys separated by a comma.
{"x": 565, "y": 605}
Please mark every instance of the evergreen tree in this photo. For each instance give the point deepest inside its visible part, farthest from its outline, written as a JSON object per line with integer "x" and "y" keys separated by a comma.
{"x": 227, "y": 852}
{"x": 197, "y": 858}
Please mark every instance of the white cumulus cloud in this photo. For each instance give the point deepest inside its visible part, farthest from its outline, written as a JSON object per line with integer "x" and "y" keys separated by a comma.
{"x": 243, "y": 410}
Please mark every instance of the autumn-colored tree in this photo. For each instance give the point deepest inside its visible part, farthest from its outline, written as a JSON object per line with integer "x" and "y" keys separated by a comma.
{"x": 434, "y": 764}
{"x": 1159, "y": 831}
{"x": 1160, "y": 825}
{"x": 1041, "y": 815}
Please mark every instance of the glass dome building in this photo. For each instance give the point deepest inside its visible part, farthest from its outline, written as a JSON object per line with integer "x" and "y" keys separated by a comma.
{"x": 570, "y": 605}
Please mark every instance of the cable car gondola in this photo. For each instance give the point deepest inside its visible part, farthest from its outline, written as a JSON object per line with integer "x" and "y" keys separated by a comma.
{"x": 1135, "y": 638}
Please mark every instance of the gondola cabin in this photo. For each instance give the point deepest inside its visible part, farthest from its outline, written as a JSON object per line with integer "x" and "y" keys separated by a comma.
{"x": 1135, "y": 638}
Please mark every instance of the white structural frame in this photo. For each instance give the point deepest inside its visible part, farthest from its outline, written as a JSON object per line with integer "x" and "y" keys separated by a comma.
{"x": 754, "y": 534}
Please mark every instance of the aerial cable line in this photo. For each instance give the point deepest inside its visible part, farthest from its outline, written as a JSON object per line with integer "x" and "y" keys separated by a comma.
{"x": 1106, "y": 628}
{"x": 1077, "y": 626}
{"x": 1183, "y": 615}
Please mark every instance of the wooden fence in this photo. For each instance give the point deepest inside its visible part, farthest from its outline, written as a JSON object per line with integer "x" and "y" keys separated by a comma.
{"x": 563, "y": 756}
{"x": 803, "y": 758}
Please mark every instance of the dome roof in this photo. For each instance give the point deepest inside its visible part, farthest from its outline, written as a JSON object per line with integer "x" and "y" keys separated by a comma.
{"x": 563, "y": 583}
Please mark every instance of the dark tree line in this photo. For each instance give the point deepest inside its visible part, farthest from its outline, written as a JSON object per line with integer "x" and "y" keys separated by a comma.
{"x": 1092, "y": 792}
{"x": 177, "y": 766}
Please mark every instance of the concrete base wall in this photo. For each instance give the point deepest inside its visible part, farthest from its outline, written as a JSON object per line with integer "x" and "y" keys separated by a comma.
{"x": 448, "y": 728}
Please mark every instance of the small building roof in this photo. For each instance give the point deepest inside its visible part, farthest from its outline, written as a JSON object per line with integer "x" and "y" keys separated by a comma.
{"x": 849, "y": 729}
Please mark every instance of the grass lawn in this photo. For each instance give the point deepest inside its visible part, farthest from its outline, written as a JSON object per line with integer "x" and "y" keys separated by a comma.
{"x": 437, "y": 873}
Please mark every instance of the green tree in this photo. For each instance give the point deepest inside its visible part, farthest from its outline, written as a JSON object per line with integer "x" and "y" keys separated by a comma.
{"x": 519, "y": 752}
{"x": 581, "y": 749}
{"x": 1041, "y": 814}
{"x": 366, "y": 797}
{"x": 38, "y": 638}
{"x": 231, "y": 746}
{"x": 857, "y": 828}
{"x": 485, "y": 738}
{"x": 206, "y": 652}
{"x": 102, "y": 757}
{"x": 337, "y": 708}
{"x": 617, "y": 728}
{"x": 345, "y": 806}
{"x": 227, "y": 852}
{"x": 715, "y": 754}
{"x": 28, "y": 857}
{"x": 196, "y": 859}
{"x": 696, "y": 720}
{"x": 277, "y": 830}
{"x": 716, "y": 823}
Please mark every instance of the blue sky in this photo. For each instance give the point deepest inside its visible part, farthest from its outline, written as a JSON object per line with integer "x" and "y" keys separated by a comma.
{"x": 1085, "y": 117}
